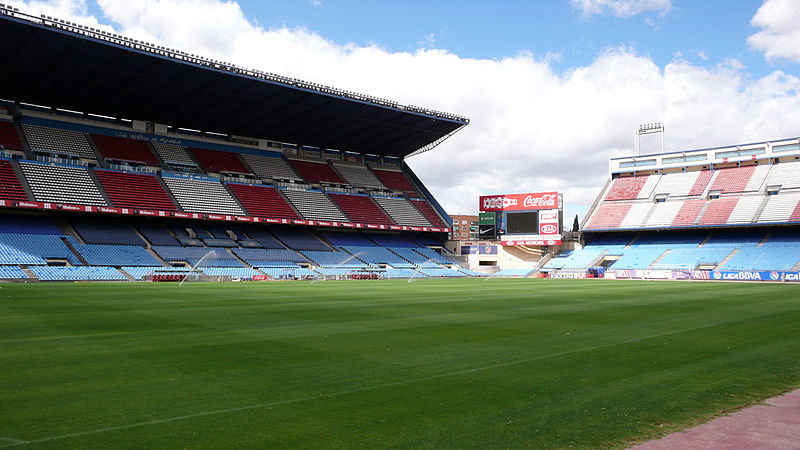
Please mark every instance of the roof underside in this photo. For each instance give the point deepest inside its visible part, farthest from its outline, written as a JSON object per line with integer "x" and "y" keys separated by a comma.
{"x": 53, "y": 67}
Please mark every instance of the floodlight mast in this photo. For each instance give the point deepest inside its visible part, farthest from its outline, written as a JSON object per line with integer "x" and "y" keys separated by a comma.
{"x": 649, "y": 128}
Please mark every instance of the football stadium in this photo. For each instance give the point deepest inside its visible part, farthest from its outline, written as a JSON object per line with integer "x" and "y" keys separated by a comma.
{"x": 200, "y": 255}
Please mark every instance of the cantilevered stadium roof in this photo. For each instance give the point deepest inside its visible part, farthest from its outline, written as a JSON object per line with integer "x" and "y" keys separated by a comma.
{"x": 50, "y": 62}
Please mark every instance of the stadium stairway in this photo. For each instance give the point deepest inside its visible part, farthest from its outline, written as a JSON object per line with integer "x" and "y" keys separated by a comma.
{"x": 100, "y": 189}
{"x": 701, "y": 213}
{"x": 74, "y": 250}
{"x": 169, "y": 193}
{"x": 21, "y": 177}
{"x": 246, "y": 264}
{"x": 101, "y": 161}
{"x": 26, "y": 148}
{"x": 658, "y": 260}
{"x": 234, "y": 197}
{"x": 727, "y": 258}
{"x": 761, "y": 207}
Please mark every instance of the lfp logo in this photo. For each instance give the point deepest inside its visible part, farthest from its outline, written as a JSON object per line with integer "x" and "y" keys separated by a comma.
{"x": 774, "y": 275}
{"x": 716, "y": 275}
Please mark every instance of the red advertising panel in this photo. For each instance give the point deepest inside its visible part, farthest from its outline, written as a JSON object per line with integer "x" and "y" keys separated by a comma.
{"x": 519, "y": 202}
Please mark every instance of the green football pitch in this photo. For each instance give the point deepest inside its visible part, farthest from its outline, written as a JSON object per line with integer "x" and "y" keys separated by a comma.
{"x": 433, "y": 363}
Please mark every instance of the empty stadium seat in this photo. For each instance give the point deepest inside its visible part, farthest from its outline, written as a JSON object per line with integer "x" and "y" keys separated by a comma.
{"x": 396, "y": 180}
{"x": 688, "y": 212}
{"x": 103, "y": 230}
{"x": 28, "y": 224}
{"x": 678, "y": 184}
{"x": 701, "y": 183}
{"x": 174, "y": 154}
{"x": 9, "y": 140}
{"x": 155, "y": 232}
{"x": 206, "y": 257}
{"x": 216, "y": 161}
{"x": 10, "y": 187}
{"x": 390, "y": 240}
{"x": 608, "y": 216}
{"x": 636, "y": 215}
{"x": 12, "y": 273}
{"x": 270, "y": 168}
{"x": 54, "y": 140}
{"x": 402, "y": 212}
{"x": 299, "y": 239}
{"x": 115, "y": 255}
{"x": 738, "y": 179}
{"x": 263, "y": 201}
{"x": 33, "y": 249}
{"x": 48, "y": 273}
{"x": 427, "y": 210}
{"x": 62, "y": 184}
{"x": 346, "y": 238}
{"x": 135, "y": 190}
{"x": 631, "y": 188}
{"x": 334, "y": 259}
{"x": 358, "y": 175}
{"x": 745, "y": 209}
{"x": 361, "y": 208}
{"x": 719, "y": 210}
{"x": 781, "y": 208}
{"x": 121, "y": 149}
{"x": 664, "y": 214}
{"x": 259, "y": 257}
{"x": 316, "y": 172}
{"x": 202, "y": 196}
{"x": 785, "y": 174}
{"x": 315, "y": 205}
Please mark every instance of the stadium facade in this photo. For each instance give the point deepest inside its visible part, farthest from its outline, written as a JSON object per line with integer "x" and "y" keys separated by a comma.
{"x": 123, "y": 160}
{"x": 720, "y": 213}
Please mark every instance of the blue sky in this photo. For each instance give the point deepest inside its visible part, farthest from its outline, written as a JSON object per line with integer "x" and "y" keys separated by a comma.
{"x": 553, "y": 88}
{"x": 493, "y": 30}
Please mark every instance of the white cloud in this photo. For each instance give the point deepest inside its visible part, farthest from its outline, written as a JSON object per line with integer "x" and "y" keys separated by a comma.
{"x": 621, "y": 8}
{"x": 779, "y": 37}
{"x": 532, "y": 128}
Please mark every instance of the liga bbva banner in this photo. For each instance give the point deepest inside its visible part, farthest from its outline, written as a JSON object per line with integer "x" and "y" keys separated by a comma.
{"x": 519, "y": 202}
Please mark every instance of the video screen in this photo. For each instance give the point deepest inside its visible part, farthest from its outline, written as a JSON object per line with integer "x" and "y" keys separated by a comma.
{"x": 522, "y": 222}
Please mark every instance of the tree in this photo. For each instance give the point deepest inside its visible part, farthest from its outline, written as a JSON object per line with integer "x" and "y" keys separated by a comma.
{"x": 576, "y": 226}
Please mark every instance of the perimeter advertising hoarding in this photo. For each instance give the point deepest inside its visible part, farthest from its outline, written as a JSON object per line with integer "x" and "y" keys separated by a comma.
{"x": 519, "y": 202}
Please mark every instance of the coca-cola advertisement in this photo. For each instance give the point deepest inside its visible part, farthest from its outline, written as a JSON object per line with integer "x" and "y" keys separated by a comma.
{"x": 519, "y": 202}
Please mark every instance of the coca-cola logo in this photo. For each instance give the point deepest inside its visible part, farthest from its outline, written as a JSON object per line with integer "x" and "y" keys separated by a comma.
{"x": 549, "y": 228}
{"x": 543, "y": 201}
{"x": 498, "y": 202}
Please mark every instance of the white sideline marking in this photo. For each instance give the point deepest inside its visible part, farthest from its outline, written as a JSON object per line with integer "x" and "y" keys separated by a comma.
{"x": 13, "y": 441}
{"x": 17, "y": 443}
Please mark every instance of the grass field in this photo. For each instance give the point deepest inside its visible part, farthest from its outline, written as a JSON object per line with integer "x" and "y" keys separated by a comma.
{"x": 464, "y": 363}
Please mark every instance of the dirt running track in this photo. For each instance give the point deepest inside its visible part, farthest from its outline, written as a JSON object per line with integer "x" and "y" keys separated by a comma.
{"x": 772, "y": 425}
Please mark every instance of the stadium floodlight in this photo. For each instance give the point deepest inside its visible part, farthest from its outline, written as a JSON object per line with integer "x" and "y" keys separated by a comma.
{"x": 649, "y": 128}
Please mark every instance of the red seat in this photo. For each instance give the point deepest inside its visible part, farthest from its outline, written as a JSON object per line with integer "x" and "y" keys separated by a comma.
{"x": 687, "y": 215}
{"x": 135, "y": 190}
{"x": 719, "y": 210}
{"x": 316, "y": 172}
{"x": 427, "y": 210}
{"x": 263, "y": 201}
{"x": 117, "y": 148}
{"x": 8, "y": 137}
{"x": 361, "y": 208}
{"x": 626, "y": 188}
{"x": 10, "y": 187}
{"x": 609, "y": 216}
{"x": 733, "y": 179}
{"x": 218, "y": 161}
{"x": 395, "y": 180}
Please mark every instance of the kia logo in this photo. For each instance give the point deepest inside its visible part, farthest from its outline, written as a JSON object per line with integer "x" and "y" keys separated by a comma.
{"x": 549, "y": 228}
